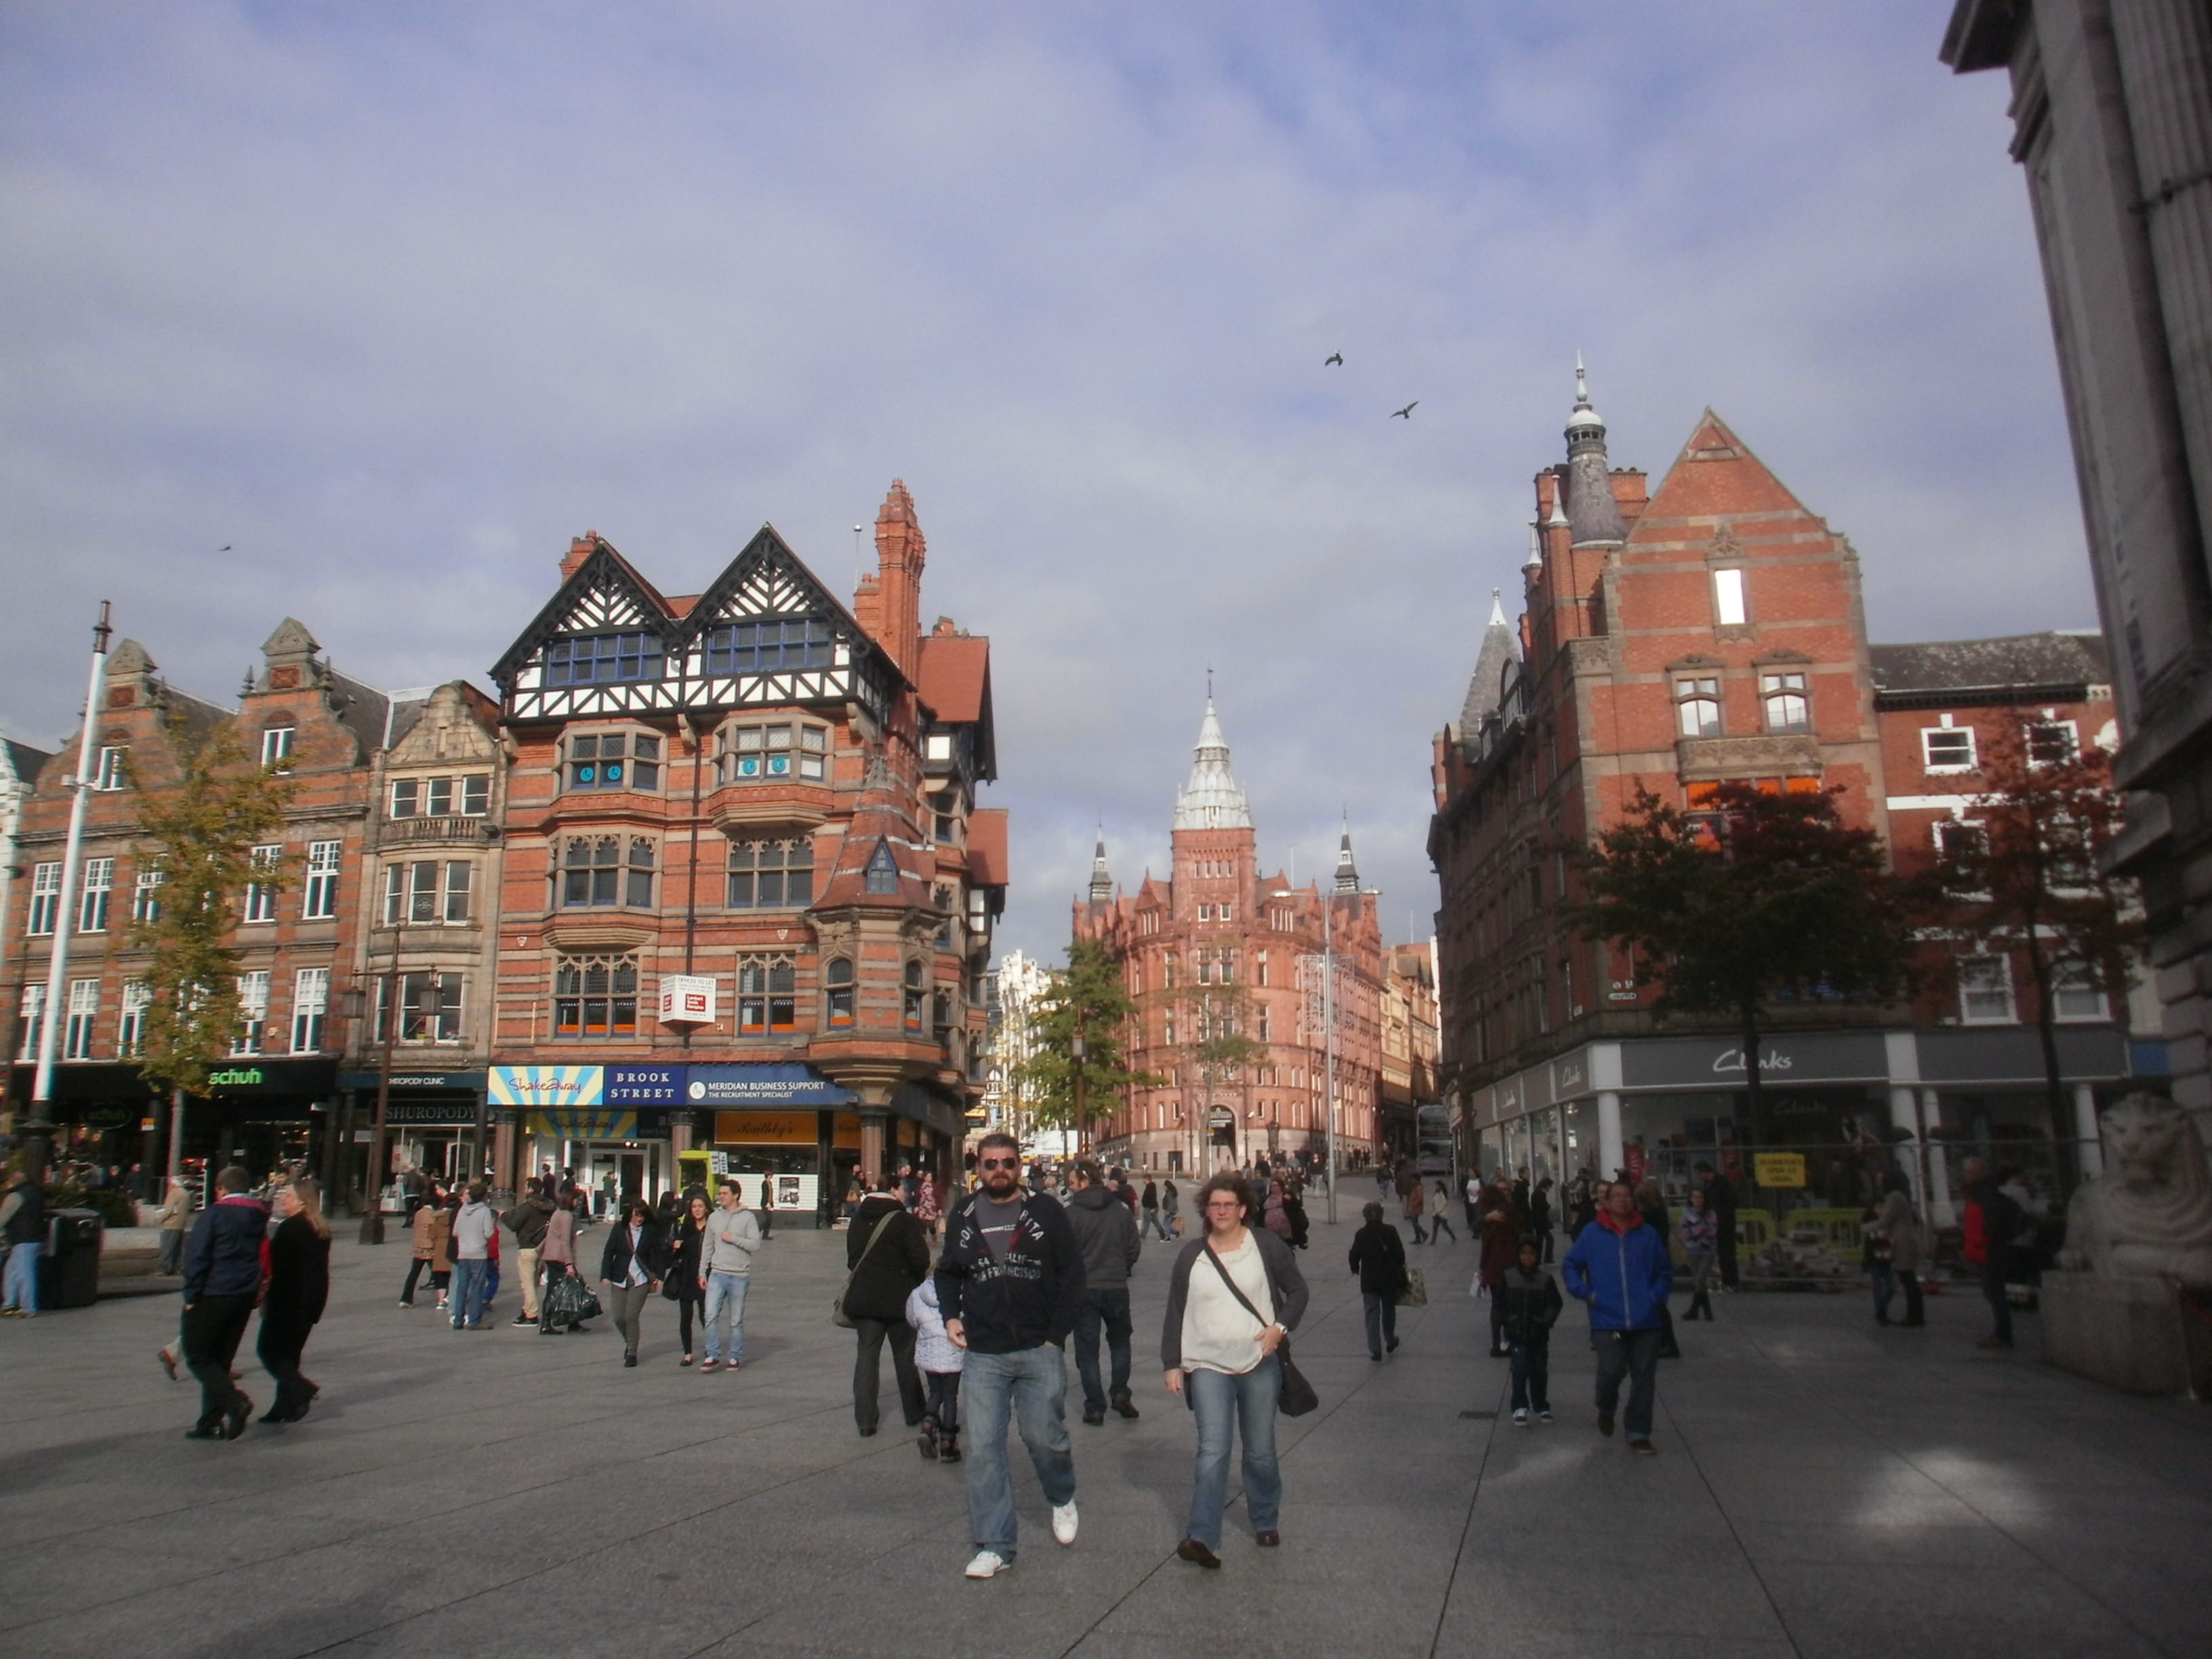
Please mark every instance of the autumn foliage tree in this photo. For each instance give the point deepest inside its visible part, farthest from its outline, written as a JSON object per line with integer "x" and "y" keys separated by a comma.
{"x": 1758, "y": 896}
{"x": 1087, "y": 1000}
{"x": 2021, "y": 869}
{"x": 199, "y": 827}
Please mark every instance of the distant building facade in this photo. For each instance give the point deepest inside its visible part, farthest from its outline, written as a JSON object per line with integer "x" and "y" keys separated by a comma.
{"x": 1711, "y": 631}
{"x": 2112, "y": 125}
{"x": 1221, "y": 943}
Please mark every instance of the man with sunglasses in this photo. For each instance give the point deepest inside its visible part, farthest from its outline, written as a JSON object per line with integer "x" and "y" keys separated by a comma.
{"x": 1010, "y": 1284}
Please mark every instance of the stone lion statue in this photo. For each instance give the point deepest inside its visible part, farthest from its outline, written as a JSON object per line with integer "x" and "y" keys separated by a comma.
{"x": 2149, "y": 1215}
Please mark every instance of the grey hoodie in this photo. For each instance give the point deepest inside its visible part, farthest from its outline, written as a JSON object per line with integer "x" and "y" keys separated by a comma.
{"x": 1107, "y": 1234}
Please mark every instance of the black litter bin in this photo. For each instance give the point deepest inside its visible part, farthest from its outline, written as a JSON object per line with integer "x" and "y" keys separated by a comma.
{"x": 68, "y": 1271}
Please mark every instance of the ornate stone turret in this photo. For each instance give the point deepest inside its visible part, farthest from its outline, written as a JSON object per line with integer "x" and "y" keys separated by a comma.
{"x": 1102, "y": 885}
{"x": 1212, "y": 798}
{"x": 1592, "y": 511}
{"x": 289, "y": 654}
{"x": 1347, "y": 873}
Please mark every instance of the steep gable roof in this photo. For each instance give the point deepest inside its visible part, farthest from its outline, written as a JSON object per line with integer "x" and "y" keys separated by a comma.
{"x": 604, "y": 593}
{"x": 1716, "y": 474}
{"x": 768, "y": 579}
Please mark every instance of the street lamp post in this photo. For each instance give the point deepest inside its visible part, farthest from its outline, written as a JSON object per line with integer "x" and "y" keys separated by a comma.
{"x": 372, "y": 1220}
{"x": 1082, "y": 1124}
{"x": 1329, "y": 1038}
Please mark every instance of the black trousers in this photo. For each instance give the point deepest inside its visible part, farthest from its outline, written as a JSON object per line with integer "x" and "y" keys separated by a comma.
{"x": 414, "y": 1275}
{"x": 688, "y": 1308}
{"x": 1729, "y": 1278}
{"x": 945, "y": 1401}
{"x": 213, "y": 1327}
{"x": 867, "y": 1370}
{"x": 282, "y": 1344}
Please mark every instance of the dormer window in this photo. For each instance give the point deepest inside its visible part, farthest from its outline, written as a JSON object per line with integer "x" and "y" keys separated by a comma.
{"x": 883, "y": 872}
{"x": 276, "y": 746}
{"x": 758, "y": 646}
{"x": 601, "y": 659}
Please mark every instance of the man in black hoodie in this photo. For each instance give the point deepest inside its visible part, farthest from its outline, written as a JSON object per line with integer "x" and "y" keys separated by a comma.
{"x": 1010, "y": 1284}
{"x": 1107, "y": 1235}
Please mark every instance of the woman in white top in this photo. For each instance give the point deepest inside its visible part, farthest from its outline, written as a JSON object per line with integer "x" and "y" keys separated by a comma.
{"x": 1235, "y": 1293}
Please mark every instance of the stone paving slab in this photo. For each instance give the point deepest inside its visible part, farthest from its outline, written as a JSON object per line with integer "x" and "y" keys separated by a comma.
{"x": 1823, "y": 1488}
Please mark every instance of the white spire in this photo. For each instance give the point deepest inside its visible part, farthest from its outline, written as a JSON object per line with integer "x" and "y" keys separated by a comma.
{"x": 1212, "y": 798}
{"x": 1535, "y": 559}
{"x": 1496, "y": 607}
{"x": 1584, "y": 417}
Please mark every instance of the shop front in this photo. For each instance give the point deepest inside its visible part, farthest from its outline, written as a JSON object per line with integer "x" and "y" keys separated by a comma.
{"x": 605, "y": 1128}
{"x": 263, "y": 1113}
{"x": 103, "y": 1119}
{"x": 781, "y": 1128}
{"x": 435, "y": 1121}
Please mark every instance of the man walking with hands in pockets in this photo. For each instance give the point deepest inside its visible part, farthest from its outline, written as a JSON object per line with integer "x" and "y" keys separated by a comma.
{"x": 1010, "y": 1285}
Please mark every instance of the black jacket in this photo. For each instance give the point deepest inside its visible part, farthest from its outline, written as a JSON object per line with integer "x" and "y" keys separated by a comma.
{"x": 1528, "y": 1305}
{"x": 28, "y": 1224}
{"x": 222, "y": 1255}
{"x": 1024, "y": 1302}
{"x": 899, "y": 1262}
{"x": 651, "y": 1250}
{"x": 1378, "y": 1256}
{"x": 299, "y": 1274}
{"x": 1286, "y": 1288}
{"x": 1106, "y": 1233}
{"x": 684, "y": 1250}
{"x": 527, "y": 1219}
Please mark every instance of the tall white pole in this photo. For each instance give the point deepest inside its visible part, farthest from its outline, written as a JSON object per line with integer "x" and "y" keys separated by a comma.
{"x": 1328, "y": 1025}
{"x": 42, "y": 1086}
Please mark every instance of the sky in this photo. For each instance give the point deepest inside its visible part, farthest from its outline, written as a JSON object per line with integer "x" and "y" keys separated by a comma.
{"x": 358, "y": 313}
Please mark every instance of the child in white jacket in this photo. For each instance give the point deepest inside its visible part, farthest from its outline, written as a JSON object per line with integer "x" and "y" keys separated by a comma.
{"x": 938, "y": 1361}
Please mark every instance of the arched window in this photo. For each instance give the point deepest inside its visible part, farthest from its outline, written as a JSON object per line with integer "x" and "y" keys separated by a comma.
{"x": 639, "y": 891}
{"x": 914, "y": 995}
{"x": 837, "y": 979}
{"x": 590, "y": 868}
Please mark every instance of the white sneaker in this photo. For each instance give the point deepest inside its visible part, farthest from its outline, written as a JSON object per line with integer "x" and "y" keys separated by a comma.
{"x": 1063, "y": 1522}
{"x": 988, "y": 1563}
{"x": 1520, "y": 1417}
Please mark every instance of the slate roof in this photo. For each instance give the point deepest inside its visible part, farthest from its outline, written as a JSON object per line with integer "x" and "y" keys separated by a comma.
{"x": 23, "y": 761}
{"x": 1501, "y": 648}
{"x": 2063, "y": 662}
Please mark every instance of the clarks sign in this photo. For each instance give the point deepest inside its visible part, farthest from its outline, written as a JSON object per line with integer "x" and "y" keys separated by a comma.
{"x": 1800, "y": 1057}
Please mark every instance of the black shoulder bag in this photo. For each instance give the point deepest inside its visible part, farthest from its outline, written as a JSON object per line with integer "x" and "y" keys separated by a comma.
{"x": 1298, "y": 1397}
{"x": 837, "y": 1313}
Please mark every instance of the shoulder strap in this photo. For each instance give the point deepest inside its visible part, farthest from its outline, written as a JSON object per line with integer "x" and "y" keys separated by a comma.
{"x": 872, "y": 1238}
{"x": 1242, "y": 1301}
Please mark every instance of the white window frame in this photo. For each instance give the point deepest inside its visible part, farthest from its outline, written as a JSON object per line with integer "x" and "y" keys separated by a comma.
{"x": 2073, "y": 740}
{"x": 92, "y": 902}
{"x": 146, "y": 898}
{"x": 310, "y": 1001}
{"x": 276, "y": 745}
{"x": 31, "y": 1011}
{"x": 1731, "y": 608}
{"x": 2091, "y": 1007}
{"x": 83, "y": 1015}
{"x": 45, "y": 899}
{"x": 107, "y": 771}
{"x": 253, "y": 1035}
{"x": 130, "y": 1028}
{"x": 1783, "y": 687}
{"x": 1930, "y": 764}
{"x": 319, "y": 899}
{"x": 1699, "y": 691}
{"x": 260, "y": 904}
{"x": 456, "y": 891}
{"x": 1996, "y": 979}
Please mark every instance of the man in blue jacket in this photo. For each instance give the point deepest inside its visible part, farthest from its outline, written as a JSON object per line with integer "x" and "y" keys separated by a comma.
{"x": 223, "y": 1266}
{"x": 1620, "y": 1268}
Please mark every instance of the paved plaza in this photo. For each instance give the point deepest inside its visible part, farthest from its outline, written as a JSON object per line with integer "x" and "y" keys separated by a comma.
{"x": 1824, "y": 1488}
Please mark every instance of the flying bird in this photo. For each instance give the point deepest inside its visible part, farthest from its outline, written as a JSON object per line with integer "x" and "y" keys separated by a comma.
{"x": 225, "y": 548}
{"x": 1336, "y": 357}
{"x": 1407, "y": 413}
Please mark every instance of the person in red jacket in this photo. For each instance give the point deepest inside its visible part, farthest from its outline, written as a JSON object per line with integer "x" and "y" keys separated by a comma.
{"x": 1992, "y": 1222}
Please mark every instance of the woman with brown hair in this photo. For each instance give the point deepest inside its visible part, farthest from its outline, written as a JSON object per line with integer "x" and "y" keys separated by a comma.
{"x": 298, "y": 1288}
{"x": 557, "y": 1256}
{"x": 1218, "y": 1349}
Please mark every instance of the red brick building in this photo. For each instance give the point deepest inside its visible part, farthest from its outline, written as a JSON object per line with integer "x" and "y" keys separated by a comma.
{"x": 1220, "y": 940}
{"x": 761, "y": 804}
{"x": 1670, "y": 640}
{"x": 296, "y": 936}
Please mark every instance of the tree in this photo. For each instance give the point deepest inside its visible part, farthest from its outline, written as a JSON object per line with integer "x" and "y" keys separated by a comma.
{"x": 2024, "y": 869}
{"x": 1221, "y": 1016}
{"x": 200, "y": 828}
{"x": 1085, "y": 1001}
{"x": 1757, "y": 895}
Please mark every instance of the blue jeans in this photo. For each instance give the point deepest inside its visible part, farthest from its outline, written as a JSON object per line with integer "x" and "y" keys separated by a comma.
{"x": 465, "y": 1301}
{"x": 1248, "y": 1402}
{"x": 725, "y": 1317}
{"x": 18, "y": 1284}
{"x": 1027, "y": 1385}
{"x": 1109, "y": 1310}
{"x": 1634, "y": 1354}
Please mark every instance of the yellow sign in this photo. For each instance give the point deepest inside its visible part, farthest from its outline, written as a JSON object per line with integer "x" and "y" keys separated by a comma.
{"x": 1778, "y": 1169}
{"x": 764, "y": 1128}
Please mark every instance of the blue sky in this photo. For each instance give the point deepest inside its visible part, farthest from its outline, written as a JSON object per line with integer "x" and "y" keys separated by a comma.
{"x": 394, "y": 299}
